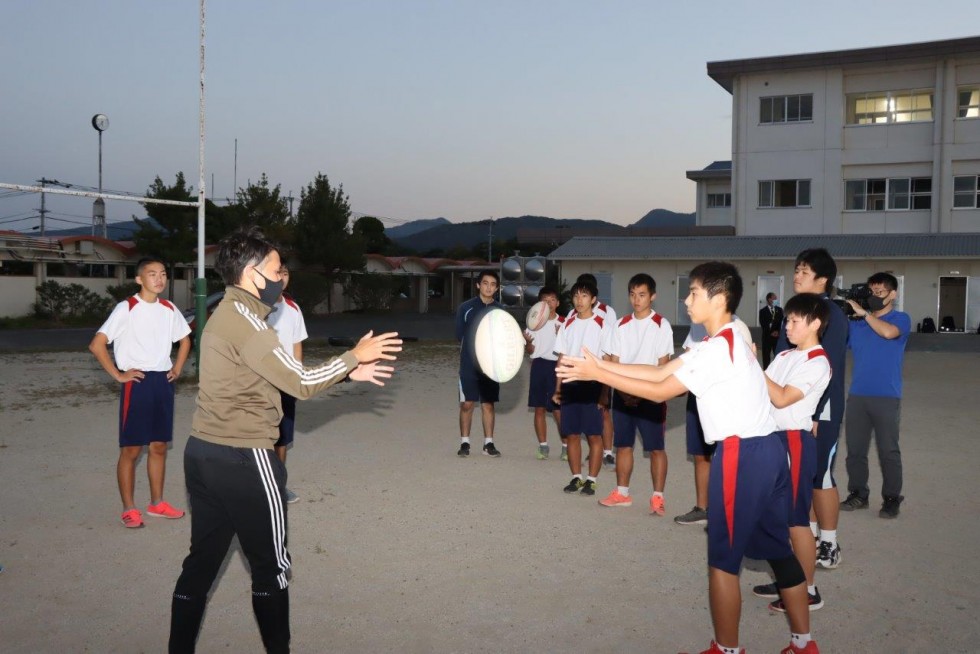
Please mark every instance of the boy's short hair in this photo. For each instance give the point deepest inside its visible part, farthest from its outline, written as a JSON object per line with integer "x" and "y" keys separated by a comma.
{"x": 546, "y": 291}
{"x": 887, "y": 280}
{"x": 246, "y": 246}
{"x": 809, "y": 306}
{"x": 719, "y": 277}
{"x": 584, "y": 287}
{"x": 769, "y": 295}
{"x": 822, "y": 265}
{"x": 589, "y": 278}
{"x": 642, "y": 279}
{"x": 145, "y": 261}
{"x": 488, "y": 273}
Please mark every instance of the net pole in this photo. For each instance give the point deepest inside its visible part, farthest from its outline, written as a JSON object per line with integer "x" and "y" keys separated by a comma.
{"x": 200, "y": 294}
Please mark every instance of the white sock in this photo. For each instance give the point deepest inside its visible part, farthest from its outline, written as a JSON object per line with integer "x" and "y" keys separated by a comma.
{"x": 659, "y": 494}
{"x": 623, "y": 490}
{"x": 800, "y": 640}
{"x": 578, "y": 476}
{"x": 590, "y": 478}
{"x": 487, "y": 441}
{"x": 607, "y": 453}
{"x": 728, "y": 650}
{"x": 464, "y": 439}
{"x": 814, "y": 529}
{"x": 829, "y": 535}
{"x": 811, "y": 590}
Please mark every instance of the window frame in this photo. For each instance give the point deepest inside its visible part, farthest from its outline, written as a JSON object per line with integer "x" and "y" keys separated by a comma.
{"x": 785, "y": 102}
{"x": 886, "y": 190}
{"x": 726, "y": 200}
{"x": 891, "y": 108}
{"x": 973, "y": 193}
{"x": 972, "y": 105}
{"x": 773, "y": 193}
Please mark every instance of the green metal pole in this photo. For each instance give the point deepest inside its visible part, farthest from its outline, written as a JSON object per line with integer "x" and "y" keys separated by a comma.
{"x": 201, "y": 317}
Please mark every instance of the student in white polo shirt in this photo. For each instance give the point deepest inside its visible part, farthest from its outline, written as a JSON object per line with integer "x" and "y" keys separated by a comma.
{"x": 643, "y": 336}
{"x": 142, "y": 330}
{"x": 541, "y": 390}
{"x": 287, "y": 319}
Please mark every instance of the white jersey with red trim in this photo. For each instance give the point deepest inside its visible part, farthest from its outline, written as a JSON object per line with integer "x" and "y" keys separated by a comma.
{"x": 287, "y": 319}
{"x": 143, "y": 333}
{"x": 544, "y": 339}
{"x": 576, "y": 333}
{"x": 642, "y": 340}
{"x": 608, "y": 315}
{"x": 725, "y": 376}
{"x": 807, "y": 370}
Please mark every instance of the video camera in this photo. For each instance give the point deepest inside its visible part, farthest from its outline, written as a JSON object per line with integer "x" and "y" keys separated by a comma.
{"x": 859, "y": 293}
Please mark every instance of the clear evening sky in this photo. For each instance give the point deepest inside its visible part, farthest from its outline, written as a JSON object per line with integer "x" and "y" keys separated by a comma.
{"x": 420, "y": 108}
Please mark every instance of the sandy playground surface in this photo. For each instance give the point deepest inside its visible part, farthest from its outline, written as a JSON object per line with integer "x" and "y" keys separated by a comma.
{"x": 400, "y": 546}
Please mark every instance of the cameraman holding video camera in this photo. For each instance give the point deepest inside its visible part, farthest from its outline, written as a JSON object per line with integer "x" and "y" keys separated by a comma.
{"x": 878, "y": 334}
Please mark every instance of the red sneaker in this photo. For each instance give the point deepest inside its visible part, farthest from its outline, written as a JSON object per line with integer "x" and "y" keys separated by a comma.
{"x": 657, "y": 505}
{"x": 164, "y": 510}
{"x": 714, "y": 649}
{"x": 132, "y": 519}
{"x": 811, "y": 648}
{"x": 616, "y": 499}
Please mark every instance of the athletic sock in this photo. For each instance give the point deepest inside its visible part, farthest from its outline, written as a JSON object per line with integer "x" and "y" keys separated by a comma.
{"x": 811, "y": 590}
{"x": 659, "y": 494}
{"x": 464, "y": 439}
{"x": 623, "y": 490}
{"x": 829, "y": 535}
{"x": 487, "y": 441}
{"x": 578, "y": 476}
{"x": 728, "y": 650}
{"x": 590, "y": 478}
{"x": 800, "y": 640}
{"x": 607, "y": 453}
{"x": 814, "y": 529}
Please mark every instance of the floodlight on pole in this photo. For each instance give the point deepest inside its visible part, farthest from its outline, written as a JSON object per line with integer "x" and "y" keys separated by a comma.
{"x": 200, "y": 285}
{"x": 101, "y": 123}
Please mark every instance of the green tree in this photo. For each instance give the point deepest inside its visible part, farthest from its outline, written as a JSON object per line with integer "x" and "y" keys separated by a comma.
{"x": 172, "y": 232}
{"x": 371, "y": 231}
{"x": 263, "y": 205}
{"x": 323, "y": 233}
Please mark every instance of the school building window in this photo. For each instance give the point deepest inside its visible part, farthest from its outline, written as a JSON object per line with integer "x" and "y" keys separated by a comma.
{"x": 968, "y": 104}
{"x": 716, "y": 200}
{"x": 892, "y": 194}
{"x": 786, "y": 109}
{"x": 966, "y": 192}
{"x": 889, "y": 107}
{"x": 784, "y": 193}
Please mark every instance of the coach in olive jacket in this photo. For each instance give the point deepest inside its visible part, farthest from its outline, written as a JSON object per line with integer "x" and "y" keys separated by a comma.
{"x": 235, "y": 482}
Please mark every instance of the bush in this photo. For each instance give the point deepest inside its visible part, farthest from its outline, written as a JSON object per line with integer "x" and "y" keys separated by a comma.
{"x": 70, "y": 302}
{"x": 309, "y": 288}
{"x": 372, "y": 291}
{"x": 120, "y": 292}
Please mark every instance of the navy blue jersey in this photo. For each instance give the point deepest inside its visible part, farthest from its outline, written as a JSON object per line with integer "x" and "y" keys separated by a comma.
{"x": 834, "y": 343}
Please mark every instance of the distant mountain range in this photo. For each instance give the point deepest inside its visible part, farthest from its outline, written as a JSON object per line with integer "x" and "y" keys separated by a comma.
{"x": 441, "y": 234}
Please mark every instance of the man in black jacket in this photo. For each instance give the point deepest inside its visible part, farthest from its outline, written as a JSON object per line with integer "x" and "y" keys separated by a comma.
{"x": 770, "y": 318}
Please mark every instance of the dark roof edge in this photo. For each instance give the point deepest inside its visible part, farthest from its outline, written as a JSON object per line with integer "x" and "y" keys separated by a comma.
{"x": 724, "y": 72}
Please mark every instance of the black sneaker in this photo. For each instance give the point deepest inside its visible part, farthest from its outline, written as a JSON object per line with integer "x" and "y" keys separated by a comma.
{"x": 828, "y": 556}
{"x": 609, "y": 462}
{"x": 464, "y": 450}
{"x": 588, "y": 488}
{"x": 769, "y": 591}
{"x": 574, "y": 485}
{"x": 854, "y": 501}
{"x": 815, "y": 602}
{"x": 695, "y": 516}
{"x": 490, "y": 450}
{"x": 889, "y": 509}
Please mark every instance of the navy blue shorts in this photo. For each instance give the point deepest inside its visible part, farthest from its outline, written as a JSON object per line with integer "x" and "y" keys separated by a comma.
{"x": 695, "y": 434}
{"x": 288, "y": 422}
{"x": 828, "y": 434}
{"x": 801, "y": 447}
{"x": 647, "y": 417}
{"x": 474, "y": 386}
{"x": 580, "y": 412}
{"x": 749, "y": 495}
{"x": 542, "y": 387}
{"x": 146, "y": 411}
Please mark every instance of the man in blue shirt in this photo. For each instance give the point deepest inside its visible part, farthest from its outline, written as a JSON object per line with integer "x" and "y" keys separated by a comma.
{"x": 474, "y": 386}
{"x": 877, "y": 340}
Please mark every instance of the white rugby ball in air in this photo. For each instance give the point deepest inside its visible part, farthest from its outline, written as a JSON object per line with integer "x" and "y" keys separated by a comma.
{"x": 499, "y": 345}
{"x": 537, "y": 316}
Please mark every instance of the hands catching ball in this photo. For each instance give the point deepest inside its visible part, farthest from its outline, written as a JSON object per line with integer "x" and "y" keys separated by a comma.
{"x": 369, "y": 351}
{"x": 584, "y": 368}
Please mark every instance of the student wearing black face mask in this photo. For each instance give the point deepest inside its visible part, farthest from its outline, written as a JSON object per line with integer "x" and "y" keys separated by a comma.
{"x": 877, "y": 341}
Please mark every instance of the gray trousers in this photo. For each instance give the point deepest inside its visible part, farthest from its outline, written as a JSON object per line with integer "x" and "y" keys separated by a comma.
{"x": 865, "y": 414}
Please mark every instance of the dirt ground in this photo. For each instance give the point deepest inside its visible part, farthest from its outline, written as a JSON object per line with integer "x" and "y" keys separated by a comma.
{"x": 400, "y": 546}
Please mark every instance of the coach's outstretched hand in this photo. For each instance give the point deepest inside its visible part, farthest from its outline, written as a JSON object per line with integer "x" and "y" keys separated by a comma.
{"x": 372, "y": 348}
{"x": 372, "y": 372}
{"x": 584, "y": 368}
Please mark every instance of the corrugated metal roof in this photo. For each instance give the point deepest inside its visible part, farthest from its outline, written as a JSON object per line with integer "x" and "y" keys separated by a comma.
{"x": 841, "y": 246}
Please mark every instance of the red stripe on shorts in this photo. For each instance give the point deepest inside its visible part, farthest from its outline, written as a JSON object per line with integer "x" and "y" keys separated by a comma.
{"x": 795, "y": 445}
{"x": 729, "y": 477}
{"x": 127, "y": 390}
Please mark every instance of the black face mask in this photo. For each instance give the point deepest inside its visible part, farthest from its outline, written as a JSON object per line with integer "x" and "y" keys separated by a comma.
{"x": 876, "y": 304}
{"x": 270, "y": 294}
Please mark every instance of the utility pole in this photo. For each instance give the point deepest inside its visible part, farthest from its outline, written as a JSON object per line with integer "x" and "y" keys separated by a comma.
{"x": 43, "y": 211}
{"x": 490, "y": 243}
{"x": 235, "y": 182}
{"x": 290, "y": 198}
